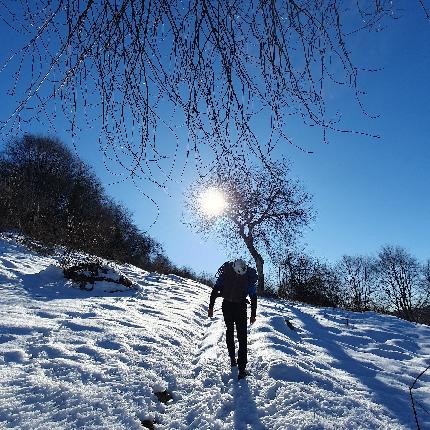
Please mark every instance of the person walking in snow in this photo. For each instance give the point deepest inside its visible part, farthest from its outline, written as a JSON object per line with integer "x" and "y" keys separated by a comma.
{"x": 234, "y": 283}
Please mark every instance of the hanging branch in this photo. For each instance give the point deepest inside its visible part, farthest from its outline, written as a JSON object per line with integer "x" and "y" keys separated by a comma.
{"x": 214, "y": 68}
{"x": 416, "y": 402}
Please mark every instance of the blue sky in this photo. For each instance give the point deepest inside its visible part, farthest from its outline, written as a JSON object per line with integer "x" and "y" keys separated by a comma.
{"x": 367, "y": 192}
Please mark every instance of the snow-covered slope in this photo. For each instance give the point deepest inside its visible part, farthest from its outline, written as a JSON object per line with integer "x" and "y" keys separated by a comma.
{"x": 93, "y": 360}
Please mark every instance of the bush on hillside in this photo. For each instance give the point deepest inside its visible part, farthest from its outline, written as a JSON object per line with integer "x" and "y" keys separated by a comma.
{"x": 49, "y": 194}
{"x": 85, "y": 271}
{"x": 307, "y": 280}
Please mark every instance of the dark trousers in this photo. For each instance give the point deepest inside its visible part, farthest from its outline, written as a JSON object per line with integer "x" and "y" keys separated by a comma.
{"x": 235, "y": 314}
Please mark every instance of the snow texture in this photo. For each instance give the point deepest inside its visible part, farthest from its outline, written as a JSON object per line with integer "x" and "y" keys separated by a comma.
{"x": 73, "y": 359}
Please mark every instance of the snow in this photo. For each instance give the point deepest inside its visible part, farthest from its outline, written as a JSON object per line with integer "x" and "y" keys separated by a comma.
{"x": 74, "y": 359}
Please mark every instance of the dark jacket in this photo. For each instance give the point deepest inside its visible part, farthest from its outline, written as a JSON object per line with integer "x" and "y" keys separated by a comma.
{"x": 235, "y": 288}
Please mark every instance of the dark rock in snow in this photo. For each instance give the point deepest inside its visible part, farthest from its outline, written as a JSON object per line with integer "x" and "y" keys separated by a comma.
{"x": 88, "y": 271}
{"x": 149, "y": 424}
{"x": 164, "y": 396}
{"x": 289, "y": 324}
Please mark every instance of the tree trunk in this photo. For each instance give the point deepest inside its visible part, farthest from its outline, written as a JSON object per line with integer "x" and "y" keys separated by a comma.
{"x": 259, "y": 262}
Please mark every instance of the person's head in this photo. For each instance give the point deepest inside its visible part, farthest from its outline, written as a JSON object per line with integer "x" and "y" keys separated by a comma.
{"x": 239, "y": 266}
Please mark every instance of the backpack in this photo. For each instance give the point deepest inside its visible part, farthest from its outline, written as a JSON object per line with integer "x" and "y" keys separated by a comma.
{"x": 221, "y": 270}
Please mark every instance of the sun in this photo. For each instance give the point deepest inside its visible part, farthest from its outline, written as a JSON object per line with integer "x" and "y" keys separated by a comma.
{"x": 213, "y": 202}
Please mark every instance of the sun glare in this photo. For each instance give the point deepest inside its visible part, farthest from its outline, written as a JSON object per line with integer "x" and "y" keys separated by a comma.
{"x": 213, "y": 202}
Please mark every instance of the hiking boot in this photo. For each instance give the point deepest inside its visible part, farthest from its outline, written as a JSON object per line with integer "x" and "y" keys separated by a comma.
{"x": 233, "y": 362}
{"x": 242, "y": 374}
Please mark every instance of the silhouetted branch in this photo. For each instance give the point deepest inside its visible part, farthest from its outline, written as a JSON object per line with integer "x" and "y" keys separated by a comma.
{"x": 216, "y": 69}
{"x": 414, "y": 402}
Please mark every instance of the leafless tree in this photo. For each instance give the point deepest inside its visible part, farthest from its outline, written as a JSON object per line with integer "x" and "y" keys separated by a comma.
{"x": 306, "y": 279}
{"x": 49, "y": 194}
{"x": 402, "y": 282}
{"x": 424, "y": 315}
{"x": 215, "y": 68}
{"x": 426, "y": 271}
{"x": 358, "y": 277}
{"x": 266, "y": 210}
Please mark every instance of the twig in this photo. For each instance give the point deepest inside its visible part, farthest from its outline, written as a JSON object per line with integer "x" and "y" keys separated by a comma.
{"x": 412, "y": 397}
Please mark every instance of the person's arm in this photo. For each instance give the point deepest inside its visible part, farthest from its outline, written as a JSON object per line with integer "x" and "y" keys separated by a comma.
{"x": 253, "y": 308}
{"x": 214, "y": 295}
{"x": 216, "y": 292}
{"x": 252, "y": 292}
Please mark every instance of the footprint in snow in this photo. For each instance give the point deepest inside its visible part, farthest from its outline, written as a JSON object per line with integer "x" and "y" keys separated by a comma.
{"x": 90, "y": 352}
{"x": 8, "y": 264}
{"x": 112, "y": 307}
{"x": 47, "y": 315}
{"x": 109, "y": 344}
{"x": 6, "y": 338}
{"x": 282, "y": 372}
{"x": 81, "y": 327}
{"x": 15, "y": 356}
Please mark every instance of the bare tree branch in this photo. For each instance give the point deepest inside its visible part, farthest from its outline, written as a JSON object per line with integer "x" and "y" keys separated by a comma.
{"x": 413, "y": 401}
{"x": 214, "y": 68}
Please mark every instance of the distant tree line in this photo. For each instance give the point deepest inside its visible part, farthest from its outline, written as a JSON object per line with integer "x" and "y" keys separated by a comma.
{"x": 392, "y": 282}
{"x": 49, "y": 194}
{"x": 267, "y": 210}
